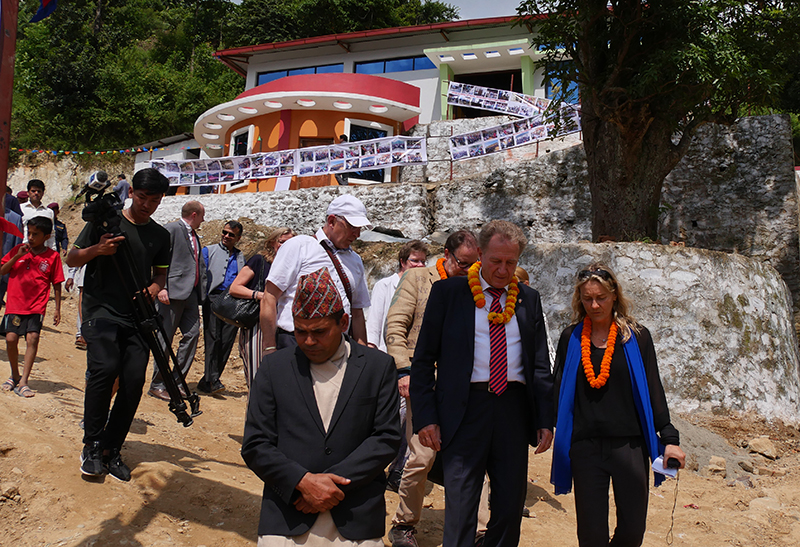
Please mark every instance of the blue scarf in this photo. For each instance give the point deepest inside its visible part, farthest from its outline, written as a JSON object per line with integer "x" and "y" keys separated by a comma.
{"x": 561, "y": 471}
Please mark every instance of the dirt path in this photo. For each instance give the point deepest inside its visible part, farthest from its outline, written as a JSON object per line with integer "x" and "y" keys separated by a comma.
{"x": 190, "y": 487}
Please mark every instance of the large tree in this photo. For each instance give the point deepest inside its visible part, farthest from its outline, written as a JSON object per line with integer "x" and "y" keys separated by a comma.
{"x": 649, "y": 73}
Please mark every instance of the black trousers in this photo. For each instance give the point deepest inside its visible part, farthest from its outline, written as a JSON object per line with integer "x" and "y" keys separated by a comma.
{"x": 219, "y": 338}
{"x": 493, "y": 439}
{"x": 112, "y": 351}
{"x": 624, "y": 462}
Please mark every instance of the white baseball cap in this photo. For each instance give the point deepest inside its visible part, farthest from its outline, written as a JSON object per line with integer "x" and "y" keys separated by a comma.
{"x": 351, "y": 209}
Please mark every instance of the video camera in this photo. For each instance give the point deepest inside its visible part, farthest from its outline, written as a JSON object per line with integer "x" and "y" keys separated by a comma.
{"x": 104, "y": 210}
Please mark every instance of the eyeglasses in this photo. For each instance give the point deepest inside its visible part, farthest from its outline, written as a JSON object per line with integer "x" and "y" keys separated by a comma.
{"x": 585, "y": 274}
{"x": 461, "y": 263}
{"x": 228, "y": 233}
{"x": 415, "y": 261}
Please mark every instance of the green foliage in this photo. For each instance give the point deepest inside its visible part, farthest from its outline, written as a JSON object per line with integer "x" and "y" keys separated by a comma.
{"x": 264, "y": 21}
{"x": 115, "y": 73}
{"x": 684, "y": 61}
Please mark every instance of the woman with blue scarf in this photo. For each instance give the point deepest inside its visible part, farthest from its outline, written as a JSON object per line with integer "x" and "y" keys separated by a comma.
{"x": 612, "y": 412}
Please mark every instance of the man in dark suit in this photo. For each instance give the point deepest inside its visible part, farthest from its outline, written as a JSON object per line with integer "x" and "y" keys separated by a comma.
{"x": 482, "y": 403}
{"x": 179, "y": 301}
{"x": 322, "y": 424}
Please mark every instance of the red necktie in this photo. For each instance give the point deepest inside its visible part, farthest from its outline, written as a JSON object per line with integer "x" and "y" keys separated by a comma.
{"x": 498, "y": 358}
{"x": 196, "y": 252}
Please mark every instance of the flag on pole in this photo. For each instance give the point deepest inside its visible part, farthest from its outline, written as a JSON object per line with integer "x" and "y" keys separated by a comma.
{"x": 46, "y": 8}
{"x": 9, "y": 228}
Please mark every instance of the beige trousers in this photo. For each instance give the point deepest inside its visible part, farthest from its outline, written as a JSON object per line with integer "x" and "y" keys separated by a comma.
{"x": 415, "y": 475}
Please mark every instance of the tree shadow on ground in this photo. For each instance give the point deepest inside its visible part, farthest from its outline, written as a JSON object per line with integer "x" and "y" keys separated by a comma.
{"x": 177, "y": 500}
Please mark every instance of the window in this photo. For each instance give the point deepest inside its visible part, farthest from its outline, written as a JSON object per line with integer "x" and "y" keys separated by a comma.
{"x": 265, "y": 77}
{"x": 404, "y": 64}
{"x": 362, "y": 130}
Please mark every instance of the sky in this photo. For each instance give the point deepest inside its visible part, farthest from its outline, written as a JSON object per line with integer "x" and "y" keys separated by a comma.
{"x": 480, "y": 9}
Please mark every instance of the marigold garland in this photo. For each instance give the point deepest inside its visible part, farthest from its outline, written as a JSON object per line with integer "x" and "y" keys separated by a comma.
{"x": 440, "y": 269}
{"x": 480, "y": 299}
{"x": 586, "y": 348}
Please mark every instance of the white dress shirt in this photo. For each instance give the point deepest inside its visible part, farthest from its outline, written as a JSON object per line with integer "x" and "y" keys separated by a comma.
{"x": 28, "y": 212}
{"x": 382, "y": 294}
{"x": 480, "y": 367}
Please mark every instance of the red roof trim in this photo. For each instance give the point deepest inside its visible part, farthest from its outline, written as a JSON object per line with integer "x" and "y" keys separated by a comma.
{"x": 333, "y": 38}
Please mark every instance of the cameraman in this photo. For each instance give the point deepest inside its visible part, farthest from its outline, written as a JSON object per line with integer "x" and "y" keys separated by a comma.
{"x": 115, "y": 349}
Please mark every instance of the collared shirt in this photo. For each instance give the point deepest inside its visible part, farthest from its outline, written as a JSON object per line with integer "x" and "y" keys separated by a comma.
{"x": 480, "y": 367}
{"x": 28, "y": 212}
{"x": 192, "y": 237}
{"x": 382, "y": 294}
{"x": 302, "y": 255}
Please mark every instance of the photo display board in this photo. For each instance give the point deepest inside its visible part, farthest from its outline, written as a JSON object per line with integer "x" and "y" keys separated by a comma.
{"x": 331, "y": 159}
{"x": 540, "y": 120}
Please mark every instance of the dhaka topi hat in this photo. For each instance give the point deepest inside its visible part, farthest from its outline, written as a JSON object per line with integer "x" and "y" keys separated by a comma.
{"x": 351, "y": 208}
{"x": 316, "y": 296}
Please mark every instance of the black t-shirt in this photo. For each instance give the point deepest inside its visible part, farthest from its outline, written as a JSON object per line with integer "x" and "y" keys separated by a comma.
{"x": 610, "y": 411}
{"x": 258, "y": 263}
{"x": 104, "y": 293}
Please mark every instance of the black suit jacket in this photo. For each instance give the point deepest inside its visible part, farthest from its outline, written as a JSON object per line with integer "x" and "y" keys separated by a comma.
{"x": 284, "y": 439}
{"x": 442, "y": 364}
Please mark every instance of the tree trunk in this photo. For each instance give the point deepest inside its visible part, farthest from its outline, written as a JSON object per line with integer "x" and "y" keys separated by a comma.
{"x": 627, "y": 165}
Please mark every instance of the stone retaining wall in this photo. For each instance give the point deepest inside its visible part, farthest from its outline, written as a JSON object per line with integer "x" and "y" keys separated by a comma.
{"x": 721, "y": 323}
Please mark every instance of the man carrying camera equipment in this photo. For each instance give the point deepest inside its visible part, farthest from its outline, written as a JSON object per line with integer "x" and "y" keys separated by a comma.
{"x": 115, "y": 347}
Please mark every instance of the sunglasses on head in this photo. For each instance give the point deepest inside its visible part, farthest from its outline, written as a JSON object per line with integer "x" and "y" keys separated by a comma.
{"x": 602, "y": 274}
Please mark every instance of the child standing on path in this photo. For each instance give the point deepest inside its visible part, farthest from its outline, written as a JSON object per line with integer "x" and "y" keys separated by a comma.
{"x": 32, "y": 268}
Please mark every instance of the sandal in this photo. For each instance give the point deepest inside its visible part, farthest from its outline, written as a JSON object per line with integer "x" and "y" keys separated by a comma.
{"x": 24, "y": 391}
{"x": 8, "y": 385}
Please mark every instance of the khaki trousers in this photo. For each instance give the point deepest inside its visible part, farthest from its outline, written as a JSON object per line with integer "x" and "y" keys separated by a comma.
{"x": 415, "y": 475}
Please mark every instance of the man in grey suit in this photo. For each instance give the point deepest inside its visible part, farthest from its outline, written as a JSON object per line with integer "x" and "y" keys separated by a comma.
{"x": 179, "y": 301}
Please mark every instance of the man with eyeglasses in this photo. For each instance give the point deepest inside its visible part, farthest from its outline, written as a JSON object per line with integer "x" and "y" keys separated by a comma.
{"x": 223, "y": 262}
{"x": 301, "y": 255}
{"x": 403, "y": 323}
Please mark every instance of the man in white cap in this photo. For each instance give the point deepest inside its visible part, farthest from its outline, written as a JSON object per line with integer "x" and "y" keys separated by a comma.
{"x": 301, "y": 255}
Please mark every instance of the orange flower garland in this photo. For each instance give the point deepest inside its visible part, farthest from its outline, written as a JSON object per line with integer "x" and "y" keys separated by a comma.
{"x": 440, "y": 269}
{"x": 480, "y": 299}
{"x": 605, "y": 365}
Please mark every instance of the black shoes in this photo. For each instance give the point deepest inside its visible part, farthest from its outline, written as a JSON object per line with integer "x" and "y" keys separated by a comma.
{"x": 92, "y": 459}
{"x": 114, "y": 466}
{"x": 94, "y": 464}
{"x": 403, "y": 536}
{"x": 393, "y": 479}
{"x": 215, "y": 387}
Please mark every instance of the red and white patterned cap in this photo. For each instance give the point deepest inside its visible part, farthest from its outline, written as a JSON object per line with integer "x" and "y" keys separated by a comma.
{"x": 316, "y": 296}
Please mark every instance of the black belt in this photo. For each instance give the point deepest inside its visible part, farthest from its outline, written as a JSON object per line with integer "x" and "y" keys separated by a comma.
{"x": 281, "y": 331}
{"x": 484, "y": 386}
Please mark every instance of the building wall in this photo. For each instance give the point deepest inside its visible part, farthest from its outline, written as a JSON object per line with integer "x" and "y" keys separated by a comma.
{"x": 389, "y": 48}
{"x": 284, "y": 130}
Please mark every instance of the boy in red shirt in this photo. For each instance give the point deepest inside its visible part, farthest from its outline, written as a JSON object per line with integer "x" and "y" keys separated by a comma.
{"x": 32, "y": 268}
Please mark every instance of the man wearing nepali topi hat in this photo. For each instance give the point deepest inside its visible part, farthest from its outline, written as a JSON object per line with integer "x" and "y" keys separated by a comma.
{"x": 322, "y": 425}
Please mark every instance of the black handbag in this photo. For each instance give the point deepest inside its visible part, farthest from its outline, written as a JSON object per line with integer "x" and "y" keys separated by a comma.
{"x": 242, "y": 312}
